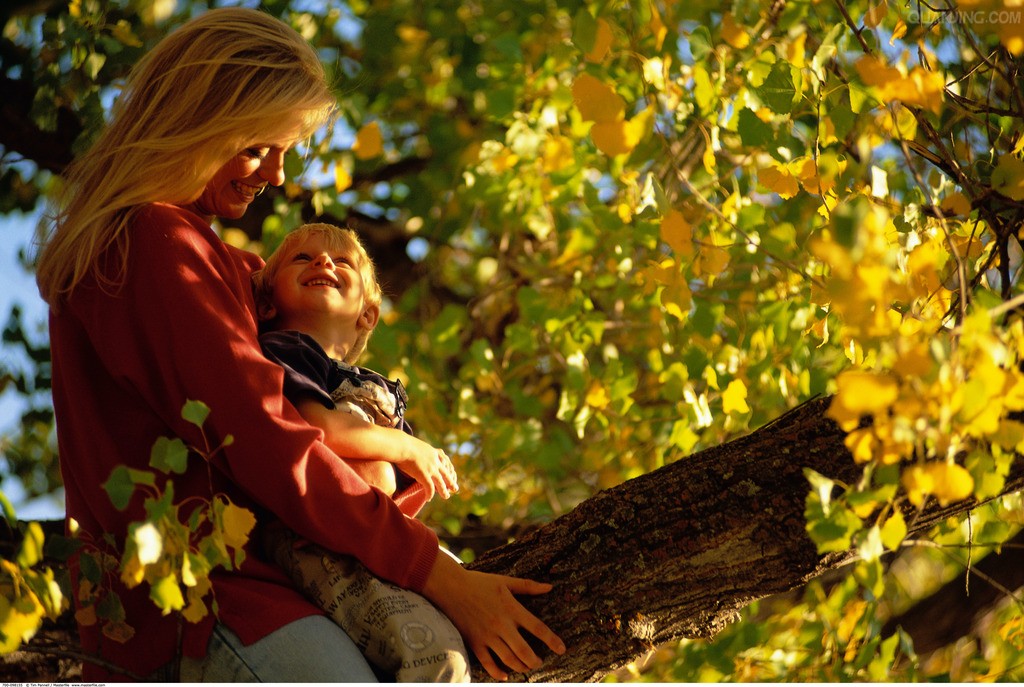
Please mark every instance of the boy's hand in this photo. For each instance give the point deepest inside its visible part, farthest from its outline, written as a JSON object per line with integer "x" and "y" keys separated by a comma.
{"x": 432, "y": 468}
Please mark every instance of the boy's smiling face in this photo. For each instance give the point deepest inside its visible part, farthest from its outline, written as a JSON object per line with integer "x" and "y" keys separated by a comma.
{"x": 316, "y": 283}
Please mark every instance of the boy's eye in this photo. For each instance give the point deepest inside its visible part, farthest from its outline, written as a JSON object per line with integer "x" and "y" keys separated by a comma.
{"x": 300, "y": 256}
{"x": 342, "y": 260}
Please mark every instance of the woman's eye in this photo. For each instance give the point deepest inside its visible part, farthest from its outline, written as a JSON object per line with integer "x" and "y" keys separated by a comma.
{"x": 257, "y": 153}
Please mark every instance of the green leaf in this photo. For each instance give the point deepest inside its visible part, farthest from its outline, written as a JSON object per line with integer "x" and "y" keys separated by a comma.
{"x": 195, "y": 412}
{"x": 584, "y": 30}
{"x": 110, "y": 607}
{"x": 90, "y": 568}
{"x": 778, "y": 92}
{"x": 169, "y": 455}
{"x": 832, "y": 532}
{"x": 9, "y": 514}
{"x": 119, "y": 487}
{"x": 752, "y": 130}
{"x": 31, "y": 550}
{"x": 62, "y": 548}
{"x": 700, "y": 43}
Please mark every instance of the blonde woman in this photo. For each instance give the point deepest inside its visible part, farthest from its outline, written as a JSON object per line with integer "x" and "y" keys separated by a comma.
{"x": 150, "y": 309}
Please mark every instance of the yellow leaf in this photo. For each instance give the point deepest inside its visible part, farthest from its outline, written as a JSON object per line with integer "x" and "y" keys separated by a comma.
{"x": 734, "y": 398}
{"x": 873, "y": 72}
{"x": 861, "y": 393}
{"x": 778, "y": 180}
{"x": 369, "y": 142}
{"x": 805, "y": 170}
{"x": 795, "y": 52}
{"x": 602, "y": 42}
{"x": 950, "y": 482}
{"x": 710, "y": 261}
{"x": 898, "y": 32}
{"x": 677, "y": 233}
{"x": 874, "y": 16}
{"x": 342, "y": 179}
{"x": 657, "y": 27}
{"x": 166, "y": 594}
{"x": 733, "y": 33}
{"x": 861, "y": 444}
{"x": 119, "y": 631}
{"x": 1011, "y": 31}
{"x": 558, "y": 154}
{"x": 238, "y": 523}
{"x": 132, "y": 572}
{"x": 196, "y": 609}
{"x": 917, "y": 483}
{"x": 921, "y": 87}
{"x": 612, "y": 138}
{"x": 956, "y": 204}
{"x": 122, "y": 31}
{"x": 86, "y": 615}
{"x": 1008, "y": 176}
{"x": 675, "y": 294}
{"x": 18, "y": 621}
{"x": 597, "y": 396}
{"x": 708, "y": 159}
{"x": 894, "y": 531}
{"x": 853, "y": 612}
{"x": 412, "y": 35}
{"x": 596, "y": 101}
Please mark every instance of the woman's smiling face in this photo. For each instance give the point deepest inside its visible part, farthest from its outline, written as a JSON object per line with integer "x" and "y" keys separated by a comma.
{"x": 237, "y": 183}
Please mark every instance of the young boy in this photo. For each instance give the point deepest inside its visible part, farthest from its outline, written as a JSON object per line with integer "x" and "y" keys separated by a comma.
{"x": 318, "y": 300}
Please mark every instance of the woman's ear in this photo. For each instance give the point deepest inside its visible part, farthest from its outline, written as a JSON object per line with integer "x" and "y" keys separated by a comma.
{"x": 368, "y": 320}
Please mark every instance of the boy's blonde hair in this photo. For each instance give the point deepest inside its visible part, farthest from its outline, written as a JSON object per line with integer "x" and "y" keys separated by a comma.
{"x": 338, "y": 239}
{"x": 225, "y": 80}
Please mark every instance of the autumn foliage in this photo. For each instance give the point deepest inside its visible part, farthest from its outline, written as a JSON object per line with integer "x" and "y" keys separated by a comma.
{"x": 617, "y": 233}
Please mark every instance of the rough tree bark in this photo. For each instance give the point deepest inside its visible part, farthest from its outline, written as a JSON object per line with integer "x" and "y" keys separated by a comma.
{"x": 678, "y": 552}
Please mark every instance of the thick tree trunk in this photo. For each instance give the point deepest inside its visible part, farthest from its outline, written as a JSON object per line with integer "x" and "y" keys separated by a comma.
{"x": 678, "y": 552}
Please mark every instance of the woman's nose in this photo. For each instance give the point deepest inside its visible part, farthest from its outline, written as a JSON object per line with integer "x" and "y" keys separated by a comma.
{"x": 271, "y": 168}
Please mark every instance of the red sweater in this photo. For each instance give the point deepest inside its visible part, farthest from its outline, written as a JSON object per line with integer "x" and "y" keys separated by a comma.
{"x": 183, "y": 327}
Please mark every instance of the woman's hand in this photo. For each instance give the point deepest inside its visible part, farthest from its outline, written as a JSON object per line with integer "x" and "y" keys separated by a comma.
{"x": 489, "y": 617}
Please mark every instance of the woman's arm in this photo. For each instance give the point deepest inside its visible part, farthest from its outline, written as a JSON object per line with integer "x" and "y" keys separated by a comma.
{"x": 183, "y": 327}
{"x": 353, "y": 438}
{"x": 489, "y": 617}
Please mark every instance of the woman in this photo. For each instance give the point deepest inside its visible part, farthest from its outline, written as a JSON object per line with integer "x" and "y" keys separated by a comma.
{"x": 150, "y": 309}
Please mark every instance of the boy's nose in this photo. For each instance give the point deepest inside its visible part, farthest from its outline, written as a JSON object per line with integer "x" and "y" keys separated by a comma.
{"x": 324, "y": 259}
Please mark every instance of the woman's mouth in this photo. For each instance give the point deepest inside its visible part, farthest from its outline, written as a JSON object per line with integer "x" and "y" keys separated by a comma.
{"x": 247, "y": 191}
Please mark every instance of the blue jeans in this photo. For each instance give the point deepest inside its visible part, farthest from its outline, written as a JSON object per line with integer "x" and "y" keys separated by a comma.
{"x": 312, "y": 649}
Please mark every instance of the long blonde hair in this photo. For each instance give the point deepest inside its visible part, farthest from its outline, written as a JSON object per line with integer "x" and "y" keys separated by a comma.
{"x": 227, "y": 79}
{"x": 337, "y": 239}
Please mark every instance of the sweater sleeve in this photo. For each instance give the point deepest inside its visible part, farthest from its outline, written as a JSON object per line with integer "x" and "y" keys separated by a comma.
{"x": 183, "y": 327}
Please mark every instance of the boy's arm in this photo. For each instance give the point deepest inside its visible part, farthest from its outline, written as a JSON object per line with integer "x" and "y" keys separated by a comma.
{"x": 353, "y": 438}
